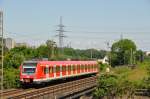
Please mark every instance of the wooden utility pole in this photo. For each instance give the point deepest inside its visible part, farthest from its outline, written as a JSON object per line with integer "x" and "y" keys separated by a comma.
{"x": 2, "y": 49}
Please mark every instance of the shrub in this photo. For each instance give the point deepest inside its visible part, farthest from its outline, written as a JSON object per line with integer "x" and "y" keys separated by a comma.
{"x": 112, "y": 86}
{"x": 11, "y": 78}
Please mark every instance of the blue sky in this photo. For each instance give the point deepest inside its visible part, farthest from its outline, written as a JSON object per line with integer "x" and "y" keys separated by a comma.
{"x": 90, "y": 23}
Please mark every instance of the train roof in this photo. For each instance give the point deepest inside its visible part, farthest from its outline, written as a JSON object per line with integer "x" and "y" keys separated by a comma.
{"x": 61, "y": 62}
{"x": 67, "y": 62}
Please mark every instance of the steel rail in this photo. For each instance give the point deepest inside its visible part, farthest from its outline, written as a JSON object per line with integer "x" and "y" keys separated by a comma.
{"x": 59, "y": 89}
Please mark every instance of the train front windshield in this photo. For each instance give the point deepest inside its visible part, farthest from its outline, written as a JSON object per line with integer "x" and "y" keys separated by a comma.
{"x": 29, "y": 68}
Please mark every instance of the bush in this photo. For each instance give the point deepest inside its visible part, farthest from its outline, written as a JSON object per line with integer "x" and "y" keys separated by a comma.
{"x": 11, "y": 78}
{"x": 106, "y": 86}
{"x": 112, "y": 86}
{"x": 103, "y": 67}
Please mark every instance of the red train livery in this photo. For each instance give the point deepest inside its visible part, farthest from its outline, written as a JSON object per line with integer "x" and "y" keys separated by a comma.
{"x": 45, "y": 71}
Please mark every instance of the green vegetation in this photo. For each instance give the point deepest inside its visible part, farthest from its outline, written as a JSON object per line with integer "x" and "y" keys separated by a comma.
{"x": 13, "y": 58}
{"x": 122, "y": 80}
{"x": 112, "y": 86}
{"x": 123, "y": 52}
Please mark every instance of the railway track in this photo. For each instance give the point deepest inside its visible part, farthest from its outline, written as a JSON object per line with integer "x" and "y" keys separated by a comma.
{"x": 57, "y": 90}
{"x": 10, "y": 92}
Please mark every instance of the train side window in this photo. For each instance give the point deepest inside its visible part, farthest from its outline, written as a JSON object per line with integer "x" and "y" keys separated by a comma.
{"x": 92, "y": 66}
{"x": 69, "y": 68}
{"x": 89, "y": 66}
{"x": 82, "y": 67}
{"x": 63, "y": 68}
{"x": 78, "y": 67}
{"x": 73, "y": 67}
{"x": 57, "y": 69}
{"x": 85, "y": 67}
{"x": 51, "y": 70}
{"x": 46, "y": 70}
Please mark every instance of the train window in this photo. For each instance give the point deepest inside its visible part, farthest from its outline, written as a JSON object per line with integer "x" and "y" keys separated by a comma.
{"x": 46, "y": 71}
{"x": 88, "y": 66}
{"x": 82, "y": 67}
{"x": 63, "y": 68}
{"x": 78, "y": 67}
{"x": 51, "y": 70}
{"x": 29, "y": 70}
{"x": 29, "y": 67}
{"x": 73, "y": 67}
{"x": 85, "y": 67}
{"x": 69, "y": 68}
{"x": 92, "y": 66}
{"x": 57, "y": 69}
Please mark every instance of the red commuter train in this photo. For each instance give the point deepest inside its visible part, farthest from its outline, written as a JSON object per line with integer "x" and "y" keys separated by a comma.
{"x": 37, "y": 72}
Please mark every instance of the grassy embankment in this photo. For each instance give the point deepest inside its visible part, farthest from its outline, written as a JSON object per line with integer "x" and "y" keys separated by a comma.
{"x": 134, "y": 75}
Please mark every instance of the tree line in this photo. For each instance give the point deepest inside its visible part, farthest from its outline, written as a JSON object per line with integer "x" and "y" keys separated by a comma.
{"x": 123, "y": 52}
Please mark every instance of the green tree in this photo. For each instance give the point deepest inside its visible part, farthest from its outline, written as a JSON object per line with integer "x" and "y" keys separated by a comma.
{"x": 13, "y": 60}
{"x": 123, "y": 52}
{"x": 41, "y": 51}
{"x": 139, "y": 55}
{"x": 51, "y": 45}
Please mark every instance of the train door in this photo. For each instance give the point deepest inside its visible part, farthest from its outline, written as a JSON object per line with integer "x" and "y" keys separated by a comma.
{"x": 83, "y": 66}
{"x": 51, "y": 71}
{"x": 69, "y": 69}
{"x": 78, "y": 69}
{"x": 86, "y": 67}
{"x": 46, "y": 72}
{"x": 63, "y": 70}
{"x": 73, "y": 67}
{"x": 95, "y": 67}
{"x": 57, "y": 70}
{"x": 92, "y": 65}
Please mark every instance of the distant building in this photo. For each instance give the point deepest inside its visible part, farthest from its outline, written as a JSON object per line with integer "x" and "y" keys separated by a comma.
{"x": 105, "y": 60}
{"x": 9, "y": 43}
{"x": 147, "y": 53}
{"x": 21, "y": 44}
